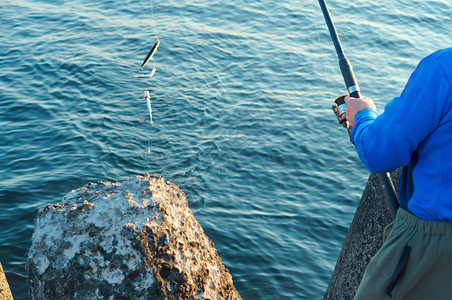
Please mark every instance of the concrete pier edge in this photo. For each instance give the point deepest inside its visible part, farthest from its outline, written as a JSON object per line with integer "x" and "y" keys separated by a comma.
{"x": 363, "y": 240}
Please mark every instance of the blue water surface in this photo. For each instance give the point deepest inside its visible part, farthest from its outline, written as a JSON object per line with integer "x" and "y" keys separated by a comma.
{"x": 242, "y": 118}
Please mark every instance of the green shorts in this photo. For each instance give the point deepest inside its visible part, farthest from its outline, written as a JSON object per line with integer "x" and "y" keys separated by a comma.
{"x": 415, "y": 261}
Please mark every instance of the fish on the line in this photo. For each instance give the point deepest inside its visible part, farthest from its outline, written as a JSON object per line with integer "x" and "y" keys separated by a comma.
{"x": 145, "y": 75}
{"x": 151, "y": 53}
{"x": 148, "y": 102}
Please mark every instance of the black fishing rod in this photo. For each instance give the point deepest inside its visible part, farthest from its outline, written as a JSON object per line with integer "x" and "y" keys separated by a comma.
{"x": 354, "y": 91}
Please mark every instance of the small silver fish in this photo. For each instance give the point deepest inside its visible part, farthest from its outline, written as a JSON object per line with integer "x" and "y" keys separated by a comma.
{"x": 145, "y": 75}
{"x": 151, "y": 53}
{"x": 148, "y": 101}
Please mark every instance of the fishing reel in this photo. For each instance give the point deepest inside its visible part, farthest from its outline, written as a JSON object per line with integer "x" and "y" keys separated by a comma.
{"x": 339, "y": 111}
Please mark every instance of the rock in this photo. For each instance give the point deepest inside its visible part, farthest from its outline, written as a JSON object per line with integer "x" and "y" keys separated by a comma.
{"x": 132, "y": 240}
{"x": 363, "y": 240}
{"x": 5, "y": 292}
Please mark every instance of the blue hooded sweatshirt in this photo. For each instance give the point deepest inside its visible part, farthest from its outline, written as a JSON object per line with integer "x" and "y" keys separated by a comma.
{"x": 418, "y": 123}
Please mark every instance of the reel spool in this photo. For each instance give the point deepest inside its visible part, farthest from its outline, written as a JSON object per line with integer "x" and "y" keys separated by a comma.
{"x": 339, "y": 110}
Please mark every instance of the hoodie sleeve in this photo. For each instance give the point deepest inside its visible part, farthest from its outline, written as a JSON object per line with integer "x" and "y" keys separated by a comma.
{"x": 385, "y": 142}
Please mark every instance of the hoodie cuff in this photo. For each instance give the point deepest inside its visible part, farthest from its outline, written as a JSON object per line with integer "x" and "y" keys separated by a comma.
{"x": 364, "y": 117}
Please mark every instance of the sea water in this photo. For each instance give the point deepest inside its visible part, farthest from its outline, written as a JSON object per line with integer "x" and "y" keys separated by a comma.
{"x": 241, "y": 101}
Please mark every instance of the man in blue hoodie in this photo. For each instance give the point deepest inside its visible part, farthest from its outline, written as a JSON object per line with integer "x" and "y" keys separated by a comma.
{"x": 414, "y": 132}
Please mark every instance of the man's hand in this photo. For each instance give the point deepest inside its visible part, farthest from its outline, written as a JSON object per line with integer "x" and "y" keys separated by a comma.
{"x": 354, "y": 106}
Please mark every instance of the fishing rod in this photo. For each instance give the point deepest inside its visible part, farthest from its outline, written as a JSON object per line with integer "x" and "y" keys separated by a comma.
{"x": 339, "y": 107}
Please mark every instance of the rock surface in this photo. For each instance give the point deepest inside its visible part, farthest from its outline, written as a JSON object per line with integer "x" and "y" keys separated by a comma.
{"x": 132, "y": 240}
{"x": 5, "y": 292}
{"x": 363, "y": 240}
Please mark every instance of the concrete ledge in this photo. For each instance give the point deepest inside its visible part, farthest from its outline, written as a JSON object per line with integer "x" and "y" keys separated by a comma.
{"x": 363, "y": 240}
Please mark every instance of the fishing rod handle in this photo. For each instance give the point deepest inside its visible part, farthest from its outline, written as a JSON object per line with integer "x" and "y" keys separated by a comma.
{"x": 389, "y": 193}
{"x": 349, "y": 77}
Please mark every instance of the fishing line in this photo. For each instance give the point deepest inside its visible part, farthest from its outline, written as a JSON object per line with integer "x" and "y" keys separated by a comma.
{"x": 153, "y": 20}
{"x": 153, "y": 50}
{"x": 149, "y": 75}
{"x": 321, "y": 52}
